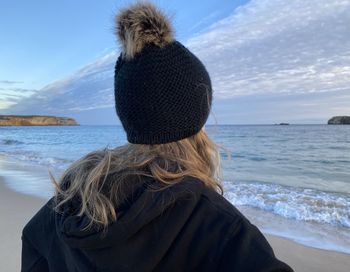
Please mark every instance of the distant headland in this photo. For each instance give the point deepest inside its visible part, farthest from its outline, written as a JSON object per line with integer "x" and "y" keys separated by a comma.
{"x": 36, "y": 120}
{"x": 339, "y": 120}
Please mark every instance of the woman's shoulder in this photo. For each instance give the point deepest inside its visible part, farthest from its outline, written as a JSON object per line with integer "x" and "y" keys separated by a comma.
{"x": 243, "y": 247}
{"x": 213, "y": 200}
{"x": 41, "y": 222}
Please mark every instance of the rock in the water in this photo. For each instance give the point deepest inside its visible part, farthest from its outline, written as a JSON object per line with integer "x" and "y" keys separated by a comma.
{"x": 339, "y": 120}
{"x": 35, "y": 120}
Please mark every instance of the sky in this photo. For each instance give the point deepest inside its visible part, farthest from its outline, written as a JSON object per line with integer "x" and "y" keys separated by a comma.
{"x": 270, "y": 61}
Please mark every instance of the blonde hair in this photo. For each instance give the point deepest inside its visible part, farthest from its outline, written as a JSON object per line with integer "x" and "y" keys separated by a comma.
{"x": 102, "y": 179}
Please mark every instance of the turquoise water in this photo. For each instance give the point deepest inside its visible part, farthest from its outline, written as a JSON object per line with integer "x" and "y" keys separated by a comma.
{"x": 293, "y": 181}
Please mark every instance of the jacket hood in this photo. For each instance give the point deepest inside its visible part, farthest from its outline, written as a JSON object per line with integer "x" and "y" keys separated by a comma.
{"x": 141, "y": 208}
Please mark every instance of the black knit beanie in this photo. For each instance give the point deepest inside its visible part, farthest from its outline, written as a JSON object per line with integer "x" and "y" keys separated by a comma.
{"x": 163, "y": 92}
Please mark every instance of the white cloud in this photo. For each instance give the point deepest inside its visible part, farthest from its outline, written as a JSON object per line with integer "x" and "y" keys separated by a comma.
{"x": 278, "y": 46}
{"x": 9, "y": 82}
{"x": 11, "y": 96}
{"x": 205, "y": 20}
{"x": 91, "y": 87}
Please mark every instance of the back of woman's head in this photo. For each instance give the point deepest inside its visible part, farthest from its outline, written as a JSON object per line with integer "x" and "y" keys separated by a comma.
{"x": 163, "y": 97}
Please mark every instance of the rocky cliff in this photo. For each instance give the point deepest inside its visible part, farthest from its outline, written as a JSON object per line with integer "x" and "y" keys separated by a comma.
{"x": 35, "y": 120}
{"x": 339, "y": 120}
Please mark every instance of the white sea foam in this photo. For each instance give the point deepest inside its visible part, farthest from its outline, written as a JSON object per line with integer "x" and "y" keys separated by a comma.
{"x": 36, "y": 158}
{"x": 324, "y": 236}
{"x": 301, "y": 204}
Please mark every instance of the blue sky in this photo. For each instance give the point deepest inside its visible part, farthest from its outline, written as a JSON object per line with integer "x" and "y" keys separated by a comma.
{"x": 270, "y": 60}
{"x": 48, "y": 40}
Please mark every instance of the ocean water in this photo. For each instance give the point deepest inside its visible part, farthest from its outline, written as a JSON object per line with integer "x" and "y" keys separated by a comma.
{"x": 292, "y": 181}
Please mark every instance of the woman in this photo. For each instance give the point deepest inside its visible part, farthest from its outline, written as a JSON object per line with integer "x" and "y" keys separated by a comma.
{"x": 154, "y": 204}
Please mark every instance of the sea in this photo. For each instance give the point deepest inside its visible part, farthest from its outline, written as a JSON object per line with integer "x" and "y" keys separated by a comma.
{"x": 291, "y": 181}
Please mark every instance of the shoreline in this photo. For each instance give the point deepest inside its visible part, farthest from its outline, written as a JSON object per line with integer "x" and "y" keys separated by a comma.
{"x": 303, "y": 258}
{"x": 17, "y": 208}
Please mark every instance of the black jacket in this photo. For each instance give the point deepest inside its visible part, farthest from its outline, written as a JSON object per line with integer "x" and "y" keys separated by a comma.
{"x": 187, "y": 227}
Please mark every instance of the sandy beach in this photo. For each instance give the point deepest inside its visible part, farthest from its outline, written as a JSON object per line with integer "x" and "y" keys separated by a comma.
{"x": 16, "y": 209}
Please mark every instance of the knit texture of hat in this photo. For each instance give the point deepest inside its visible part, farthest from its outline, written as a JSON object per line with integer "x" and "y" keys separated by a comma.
{"x": 163, "y": 92}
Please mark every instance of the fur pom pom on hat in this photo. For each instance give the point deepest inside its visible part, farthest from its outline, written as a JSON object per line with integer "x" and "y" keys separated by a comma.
{"x": 140, "y": 25}
{"x": 163, "y": 92}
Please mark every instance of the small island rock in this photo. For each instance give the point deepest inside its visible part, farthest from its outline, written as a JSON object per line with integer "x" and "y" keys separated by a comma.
{"x": 339, "y": 120}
